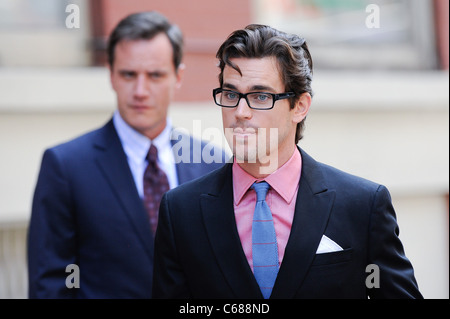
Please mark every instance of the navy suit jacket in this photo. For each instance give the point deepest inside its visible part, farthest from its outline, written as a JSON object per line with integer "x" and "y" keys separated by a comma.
{"x": 206, "y": 259}
{"x": 86, "y": 211}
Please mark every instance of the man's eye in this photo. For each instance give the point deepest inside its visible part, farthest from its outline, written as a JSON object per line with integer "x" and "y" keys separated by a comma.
{"x": 156, "y": 75}
{"x": 230, "y": 95}
{"x": 262, "y": 97}
{"x": 259, "y": 97}
{"x": 127, "y": 74}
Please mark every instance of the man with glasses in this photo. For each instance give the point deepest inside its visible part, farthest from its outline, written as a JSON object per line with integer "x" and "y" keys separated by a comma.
{"x": 275, "y": 223}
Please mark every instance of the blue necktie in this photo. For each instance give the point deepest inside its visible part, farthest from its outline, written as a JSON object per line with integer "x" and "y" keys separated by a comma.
{"x": 264, "y": 242}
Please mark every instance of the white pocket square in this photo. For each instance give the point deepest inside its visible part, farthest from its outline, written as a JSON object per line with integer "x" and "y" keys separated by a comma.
{"x": 327, "y": 246}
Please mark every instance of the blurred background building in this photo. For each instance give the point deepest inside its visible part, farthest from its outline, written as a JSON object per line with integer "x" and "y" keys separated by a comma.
{"x": 380, "y": 110}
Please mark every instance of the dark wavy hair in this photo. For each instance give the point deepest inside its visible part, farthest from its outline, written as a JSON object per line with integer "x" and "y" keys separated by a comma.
{"x": 145, "y": 26}
{"x": 291, "y": 51}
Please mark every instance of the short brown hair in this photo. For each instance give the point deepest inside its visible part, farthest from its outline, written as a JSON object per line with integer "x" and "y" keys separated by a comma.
{"x": 291, "y": 52}
{"x": 145, "y": 26}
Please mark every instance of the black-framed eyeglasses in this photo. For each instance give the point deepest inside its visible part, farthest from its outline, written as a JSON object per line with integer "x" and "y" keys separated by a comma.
{"x": 255, "y": 100}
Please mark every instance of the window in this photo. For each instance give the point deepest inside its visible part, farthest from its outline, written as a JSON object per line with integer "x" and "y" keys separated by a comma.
{"x": 34, "y": 33}
{"x": 341, "y": 34}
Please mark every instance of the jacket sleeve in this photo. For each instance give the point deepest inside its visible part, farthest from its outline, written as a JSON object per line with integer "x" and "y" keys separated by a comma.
{"x": 396, "y": 274}
{"x": 169, "y": 281}
{"x": 51, "y": 233}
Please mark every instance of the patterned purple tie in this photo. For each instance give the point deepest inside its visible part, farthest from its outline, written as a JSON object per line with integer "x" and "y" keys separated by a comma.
{"x": 155, "y": 185}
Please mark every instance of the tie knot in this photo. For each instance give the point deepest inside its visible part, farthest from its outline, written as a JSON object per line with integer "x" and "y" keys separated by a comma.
{"x": 152, "y": 154}
{"x": 261, "y": 190}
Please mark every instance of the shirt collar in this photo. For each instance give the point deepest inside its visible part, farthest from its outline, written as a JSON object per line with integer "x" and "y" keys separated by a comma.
{"x": 284, "y": 180}
{"x": 134, "y": 143}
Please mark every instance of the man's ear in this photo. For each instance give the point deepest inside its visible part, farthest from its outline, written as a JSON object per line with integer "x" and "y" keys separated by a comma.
{"x": 110, "y": 69}
{"x": 180, "y": 74}
{"x": 301, "y": 108}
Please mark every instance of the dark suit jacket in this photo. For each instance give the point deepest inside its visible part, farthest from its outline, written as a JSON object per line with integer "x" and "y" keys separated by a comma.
{"x": 87, "y": 211}
{"x": 198, "y": 253}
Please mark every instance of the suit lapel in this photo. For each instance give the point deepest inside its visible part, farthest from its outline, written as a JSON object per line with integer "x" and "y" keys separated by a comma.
{"x": 113, "y": 163}
{"x": 218, "y": 215}
{"x": 312, "y": 210}
{"x": 182, "y": 145}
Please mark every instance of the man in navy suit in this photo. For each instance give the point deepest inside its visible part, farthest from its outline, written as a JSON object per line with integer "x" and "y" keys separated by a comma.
{"x": 89, "y": 233}
{"x": 332, "y": 234}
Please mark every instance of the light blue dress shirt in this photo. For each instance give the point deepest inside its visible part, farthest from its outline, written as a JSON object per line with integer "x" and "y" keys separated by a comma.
{"x": 136, "y": 147}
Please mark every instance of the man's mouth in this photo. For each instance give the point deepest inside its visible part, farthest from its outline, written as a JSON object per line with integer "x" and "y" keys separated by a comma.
{"x": 244, "y": 131}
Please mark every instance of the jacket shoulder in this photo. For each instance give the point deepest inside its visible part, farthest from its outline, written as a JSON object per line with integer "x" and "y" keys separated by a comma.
{"x": 342, "y": 178}
{"x": 323, "y": 176}
{"x": 80, "y": 145}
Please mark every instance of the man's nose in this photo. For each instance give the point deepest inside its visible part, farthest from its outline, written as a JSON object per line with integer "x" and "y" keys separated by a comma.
{"x": 141, "y": 88}
{"x": 243, "y": 111}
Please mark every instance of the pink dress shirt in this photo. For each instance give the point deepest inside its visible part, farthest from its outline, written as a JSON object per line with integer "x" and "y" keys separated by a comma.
{"x": 281, "y": 199}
